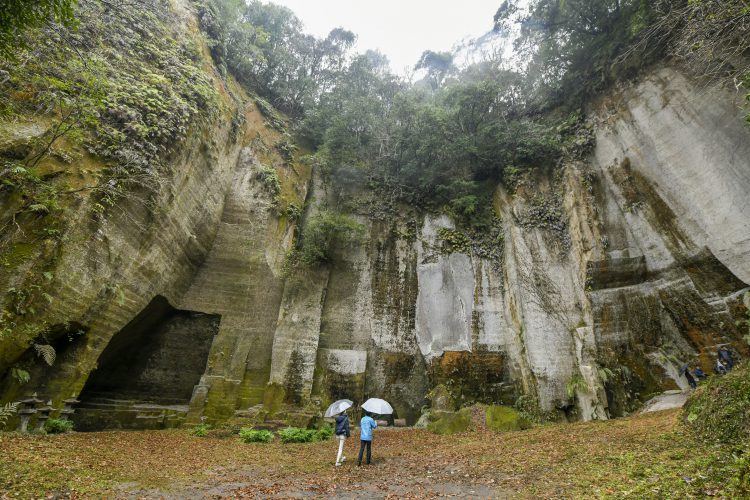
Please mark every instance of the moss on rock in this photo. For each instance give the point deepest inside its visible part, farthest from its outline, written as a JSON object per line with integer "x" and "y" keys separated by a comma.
{"x": 441, "y": 398}
{"x": 449, "y": 422}
{"x": 719, "y": 411}
{"x": 505, "y": 418}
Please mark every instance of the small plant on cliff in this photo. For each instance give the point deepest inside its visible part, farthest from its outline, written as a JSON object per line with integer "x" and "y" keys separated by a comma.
{"x": 454, "y": 241}
{"x": 321, "y": 233}
{"x": 270, "y": 179}
{"x": 577, "y": 383}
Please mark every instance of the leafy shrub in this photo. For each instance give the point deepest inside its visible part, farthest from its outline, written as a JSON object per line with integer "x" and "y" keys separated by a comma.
{"x": 321, "y": 233}
{"x": 248, "y": 435}
{"x": 293, "y": 212}
{"x": 58, "y": 426}
{"x": 719, "y": 410}
{"x": 297, "y": 435}
{"x": 576, "y": 384}
{"x": 200, "y": 430}
{"x": 325, "y": 432}
{"x": 454, "y": 241}
{"x": 270, "y": 179}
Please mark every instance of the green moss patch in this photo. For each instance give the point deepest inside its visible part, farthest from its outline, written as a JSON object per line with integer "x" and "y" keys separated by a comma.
{"x": 448, "y": 422}
{"x": 505, "y": 418}
{"x": 719, "y": 411}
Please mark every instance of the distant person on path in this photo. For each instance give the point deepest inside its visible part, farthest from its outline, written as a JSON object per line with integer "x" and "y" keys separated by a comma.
{"x": 342, "y": 432}
{"x": 690, "y": 379}
{"x": 699, "y": 374}
{"x": 366, "y": 425}
{"x": 720, "y": 369}
{"x": 726, "y": 357}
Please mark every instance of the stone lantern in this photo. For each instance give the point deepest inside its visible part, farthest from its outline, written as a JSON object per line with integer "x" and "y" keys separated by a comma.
{"x": 43, "y": 412}
{"x": 27, "y": 409}
{"x": 68, "y": 410}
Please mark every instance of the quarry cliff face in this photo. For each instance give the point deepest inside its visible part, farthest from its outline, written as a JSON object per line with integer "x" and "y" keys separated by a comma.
{"x": 611, "y": 273}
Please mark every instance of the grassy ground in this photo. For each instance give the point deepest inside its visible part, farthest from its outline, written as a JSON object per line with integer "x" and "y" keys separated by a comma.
{"x": 644, "y": 456}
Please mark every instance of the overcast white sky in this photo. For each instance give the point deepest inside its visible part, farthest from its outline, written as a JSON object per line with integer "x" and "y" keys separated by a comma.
{"x": 401, "y": 29}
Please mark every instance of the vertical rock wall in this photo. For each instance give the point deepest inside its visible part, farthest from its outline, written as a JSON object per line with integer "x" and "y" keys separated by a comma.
{"x": 614, "y": 272}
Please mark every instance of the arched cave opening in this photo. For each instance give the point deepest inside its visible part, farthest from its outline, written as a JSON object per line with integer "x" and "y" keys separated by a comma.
{"x": 152, "y": 364}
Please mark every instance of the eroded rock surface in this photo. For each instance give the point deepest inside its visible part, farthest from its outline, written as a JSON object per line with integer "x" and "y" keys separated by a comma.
{"x": 613, "y": 273}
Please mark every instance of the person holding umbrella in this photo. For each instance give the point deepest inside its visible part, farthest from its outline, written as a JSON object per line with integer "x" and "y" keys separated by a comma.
{"x": 367, "y": 424}
{"x": 342, "y": 432}
{"x": 342, "y": 425}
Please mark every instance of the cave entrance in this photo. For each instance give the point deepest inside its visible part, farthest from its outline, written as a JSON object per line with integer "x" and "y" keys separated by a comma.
{"x": 146, "y": 375}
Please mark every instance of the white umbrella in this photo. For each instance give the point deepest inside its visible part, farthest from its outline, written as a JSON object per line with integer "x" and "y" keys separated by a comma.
{"x": 378, "y": 406}
{"x": 338, "y": 407}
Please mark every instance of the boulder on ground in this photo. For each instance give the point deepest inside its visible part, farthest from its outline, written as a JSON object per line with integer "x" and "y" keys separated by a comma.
{"x": 441, "y": 399}
{"x": 450, "y": 422}
{"x": 505, "y": 418}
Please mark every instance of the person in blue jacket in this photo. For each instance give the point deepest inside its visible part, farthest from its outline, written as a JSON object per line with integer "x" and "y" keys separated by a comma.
{"x": 366, "y": 425}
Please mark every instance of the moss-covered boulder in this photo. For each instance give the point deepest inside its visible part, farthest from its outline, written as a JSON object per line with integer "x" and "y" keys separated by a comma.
{"x": 441, "y": 399}
{"x": 450, "y": 422}
{"x": 719, "y": 410}
{"x": 505, "y": 418}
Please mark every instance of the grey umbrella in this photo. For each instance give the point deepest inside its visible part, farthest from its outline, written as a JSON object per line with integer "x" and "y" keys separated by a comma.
{"x": 379, "y": 406}
{"x": 338, "y": 407}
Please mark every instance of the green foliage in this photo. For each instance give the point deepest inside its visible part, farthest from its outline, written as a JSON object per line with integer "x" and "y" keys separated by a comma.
{"x": 454, "y": 241}
{"x": 20, "y": 375}
{"x": 605, "y": 375}
{"x": 443, "y": 150}
{"x": 131, "y": 111}
{"x": 200, "y": 430}
{"x": 249, "y": 435}
{"x": 575, "y": 384}
{"x": 7, "y": 411}
{"x": 17, "y": 16}
{"x": 46, "y": 352}
{"x": 264, "y": 47}
{"x": 719, "y": 410}
{"x": 505, "y": 418}
{"x": 287, "y": 149}
{"x": 529, "y": 409}
{"x": 293, "y": 212}
{"x": 58, "y": 426}
{"x": 325, "y": 433}
{"x": 572, "y": 45}
{"x": 438, "y": 66}
{"x": 270, "y": 179}
{"x": 297, "y": 435}
{"x": 321, "y": 234}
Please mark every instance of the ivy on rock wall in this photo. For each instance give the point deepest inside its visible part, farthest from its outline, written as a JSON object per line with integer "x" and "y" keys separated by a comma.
{"x": 89, "y": 115}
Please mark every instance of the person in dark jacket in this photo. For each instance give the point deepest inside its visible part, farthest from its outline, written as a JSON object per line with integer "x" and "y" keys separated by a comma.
{"x": 719, "y": 367}
{"x": 690, "y": 379}
{"x": 342, "y": 432}
{"x": 699, "y": 374}
{"x": 726, "y": 357}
